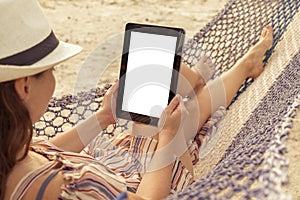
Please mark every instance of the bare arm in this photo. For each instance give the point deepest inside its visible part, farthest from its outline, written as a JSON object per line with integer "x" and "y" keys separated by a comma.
{"x": 78, "y": 137}
{"x": 71, "y": 140}
{"x": 156, "y": 183}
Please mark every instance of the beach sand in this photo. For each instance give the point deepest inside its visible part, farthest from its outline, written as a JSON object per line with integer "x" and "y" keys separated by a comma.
{"x": 98, "y": 25}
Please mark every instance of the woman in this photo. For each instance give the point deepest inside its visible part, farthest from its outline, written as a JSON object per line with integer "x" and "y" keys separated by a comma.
{"x": 55, "y": 169}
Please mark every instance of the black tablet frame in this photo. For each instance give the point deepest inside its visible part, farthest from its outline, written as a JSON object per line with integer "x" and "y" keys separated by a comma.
{"x": 152, "y": 29}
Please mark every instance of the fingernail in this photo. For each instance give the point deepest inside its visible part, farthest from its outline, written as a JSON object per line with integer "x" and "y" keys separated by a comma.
{"x": 179, "y": 97}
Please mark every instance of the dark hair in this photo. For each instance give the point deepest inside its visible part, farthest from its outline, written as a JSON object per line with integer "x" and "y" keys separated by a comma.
{"x": 15, "y": 131}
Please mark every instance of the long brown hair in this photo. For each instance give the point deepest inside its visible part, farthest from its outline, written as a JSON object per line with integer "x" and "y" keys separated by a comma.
{"x": 15, "y": 131}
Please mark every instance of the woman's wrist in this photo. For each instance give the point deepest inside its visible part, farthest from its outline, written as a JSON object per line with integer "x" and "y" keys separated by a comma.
{"x": 93, "y": 125}
{"x": 104, "y": 120}
{"x": 88, "y": 129}
{"x": 164, "y": 154}
{"x": 164, "y": 138}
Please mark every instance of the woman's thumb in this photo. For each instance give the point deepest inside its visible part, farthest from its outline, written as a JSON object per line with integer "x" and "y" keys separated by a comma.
{"x": 173, "y": 104}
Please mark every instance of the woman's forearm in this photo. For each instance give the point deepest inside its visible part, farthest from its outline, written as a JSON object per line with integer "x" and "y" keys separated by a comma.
{"x": 156, "y": 183}
{"x": 78, "y": 137}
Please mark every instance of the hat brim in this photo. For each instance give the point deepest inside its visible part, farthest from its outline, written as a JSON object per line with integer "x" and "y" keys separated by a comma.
{"x": 61, "y": 53}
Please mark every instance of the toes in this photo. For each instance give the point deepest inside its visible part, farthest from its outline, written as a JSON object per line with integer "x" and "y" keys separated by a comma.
{"x": 205, "y": 59}
{"x": 266, "y": 31}
{"x": 257, "y": 52}
{"x": 205, "y": 68}
{"x": 266, "y": 38}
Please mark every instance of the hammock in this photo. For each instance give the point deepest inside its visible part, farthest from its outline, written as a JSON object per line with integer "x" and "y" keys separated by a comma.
{"x": 249, "y": 156}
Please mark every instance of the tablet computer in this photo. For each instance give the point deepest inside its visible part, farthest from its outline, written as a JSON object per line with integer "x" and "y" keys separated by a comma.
{"x": 149, "y": 71}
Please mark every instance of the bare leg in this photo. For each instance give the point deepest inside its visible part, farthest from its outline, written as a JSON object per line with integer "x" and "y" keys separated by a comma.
{"x": 199, "y": 106}
{"x": 190, "y": 80}
{"x": 250, "y": 65}
{"x": 194, "y": 78}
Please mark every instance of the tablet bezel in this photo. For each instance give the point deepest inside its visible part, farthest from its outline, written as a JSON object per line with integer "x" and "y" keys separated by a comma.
{"x": 151, "y": 29}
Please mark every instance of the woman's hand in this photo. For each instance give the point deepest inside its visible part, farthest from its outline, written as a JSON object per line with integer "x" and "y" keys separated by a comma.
{"x": 81, "y": 135}
{"x": 106, "y": 114}
{"x": 172, "y": 119}
{"x": 156, "y": 182}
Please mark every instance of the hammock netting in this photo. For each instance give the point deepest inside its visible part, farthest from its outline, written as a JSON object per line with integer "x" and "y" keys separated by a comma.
{"x": 245, "y": 171}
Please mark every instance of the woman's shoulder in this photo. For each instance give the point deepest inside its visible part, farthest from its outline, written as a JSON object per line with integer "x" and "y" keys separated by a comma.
{"x": 27, "y": 173}
{"x": 42, "y": 142}
{"x": 44, "y": 159}
{"x": 28, "y": 187}
{"x": 47, "y": 149}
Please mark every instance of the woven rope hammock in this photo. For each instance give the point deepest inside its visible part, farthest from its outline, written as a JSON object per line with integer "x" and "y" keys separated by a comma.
{"x": 249, "y": 156}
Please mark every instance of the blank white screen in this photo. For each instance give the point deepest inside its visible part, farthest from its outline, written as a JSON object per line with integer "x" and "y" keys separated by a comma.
{"x": 149, "y": 71}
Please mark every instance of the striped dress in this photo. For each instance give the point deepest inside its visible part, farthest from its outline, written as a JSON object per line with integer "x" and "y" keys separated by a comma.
{"x": 107, "y": 167}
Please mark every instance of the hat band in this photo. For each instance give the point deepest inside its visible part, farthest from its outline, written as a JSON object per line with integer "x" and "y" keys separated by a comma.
{"x": 34, "y": 54}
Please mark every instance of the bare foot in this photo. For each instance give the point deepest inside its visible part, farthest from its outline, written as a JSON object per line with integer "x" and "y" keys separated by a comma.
{"x": 253, "y": 59}
{"x": 205, "y": 68}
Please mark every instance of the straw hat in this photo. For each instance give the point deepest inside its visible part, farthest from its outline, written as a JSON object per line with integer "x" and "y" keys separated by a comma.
{"x": 27, "y": 44}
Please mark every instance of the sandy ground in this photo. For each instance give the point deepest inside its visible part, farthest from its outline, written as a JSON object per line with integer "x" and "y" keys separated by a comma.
{"x": 99, "y": 24}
